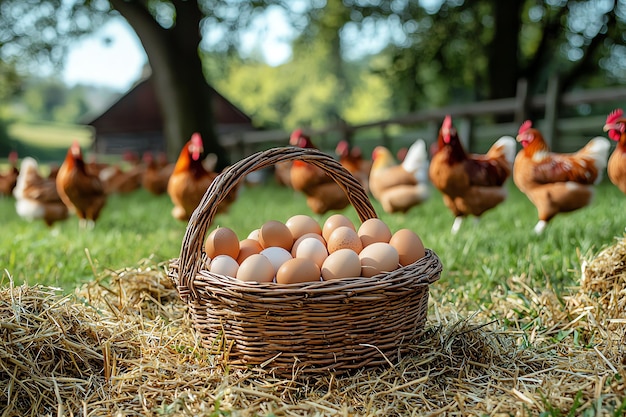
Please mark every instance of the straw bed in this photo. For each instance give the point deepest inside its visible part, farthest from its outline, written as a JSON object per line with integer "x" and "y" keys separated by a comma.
{"x": 340, "y": 325}
{"x": 140, "y": 356}
{"x": 604, "y": 279}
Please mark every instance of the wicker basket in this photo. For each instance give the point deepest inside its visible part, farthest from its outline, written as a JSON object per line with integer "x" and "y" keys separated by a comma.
{"x": 338, "y": 325}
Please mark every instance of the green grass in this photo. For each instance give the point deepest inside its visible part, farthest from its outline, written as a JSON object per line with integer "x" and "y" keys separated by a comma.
{"x": 476, "y": 260}
{"x": 47, "y": 141}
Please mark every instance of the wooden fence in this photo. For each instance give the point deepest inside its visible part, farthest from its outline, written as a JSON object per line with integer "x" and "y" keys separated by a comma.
{"x": 473, "y": 120}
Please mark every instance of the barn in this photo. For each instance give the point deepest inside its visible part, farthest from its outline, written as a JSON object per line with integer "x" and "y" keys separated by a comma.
{"x": 135, "y": 123}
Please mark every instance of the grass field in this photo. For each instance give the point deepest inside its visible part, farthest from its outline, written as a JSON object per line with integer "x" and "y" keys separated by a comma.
{"x": 480, "y": 257}
{"x": 502, "y": 328}
{"x": 47, "y": 141}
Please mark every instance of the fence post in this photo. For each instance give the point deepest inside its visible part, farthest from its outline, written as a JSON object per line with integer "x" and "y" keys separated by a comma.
{"x": 552, "y": 111}
{"x": 521, "y": 101}
{"x": 465, "y": 133}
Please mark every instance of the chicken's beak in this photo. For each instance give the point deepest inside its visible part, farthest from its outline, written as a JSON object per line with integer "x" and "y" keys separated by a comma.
{"x": 608, "y": 127}
{"x": 196, "y": 152}
{"x": 75, "y": 148}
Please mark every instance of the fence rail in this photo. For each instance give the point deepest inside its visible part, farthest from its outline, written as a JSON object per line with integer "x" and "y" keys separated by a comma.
{"x": 562, "y": 134}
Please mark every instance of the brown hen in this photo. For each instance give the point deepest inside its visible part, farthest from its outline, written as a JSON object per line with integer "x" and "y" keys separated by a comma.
{"x": 616, "y": 127}
{"x": 471, "y": 184}
{"x": 554, "y": 182}
{"x": 80, "y": 190}
{"x": 322, "y": 193}
{"x": 36, "y": 197}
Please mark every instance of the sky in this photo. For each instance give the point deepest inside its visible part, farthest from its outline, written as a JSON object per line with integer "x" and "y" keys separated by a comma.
{"x": 116, "y": 64}
{"x": 113, "y": 56}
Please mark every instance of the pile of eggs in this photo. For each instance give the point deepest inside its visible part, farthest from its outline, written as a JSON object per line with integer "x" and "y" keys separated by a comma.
{"x": 300, "y": 250}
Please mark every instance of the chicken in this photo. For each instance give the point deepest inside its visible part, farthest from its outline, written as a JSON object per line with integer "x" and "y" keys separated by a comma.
{"x": 115, "y": 180}
{"x": 557, "y": 183}
{"x": 471, "y": 184}
{"x": 156, "y": 174}
{"x": 94, "y": 167}
{"x": 616, "y": 169}
{"x": 352, "y": 160}
{"x": 190, "y": 180}
{"x": 36, "y": 197}
{"x": 399, "y": 187}
{"x": 8, "y": 180}
{"x": 282, "y": 173}
{"x": 322, "y": 193}
{"x": 80, "y": 190}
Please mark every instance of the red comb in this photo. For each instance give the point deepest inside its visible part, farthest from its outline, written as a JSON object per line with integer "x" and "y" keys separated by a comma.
{"x": 615, "y": 114}
{"x": 447, "y": 122}
{"x": 525, "y": 126}
{"x": 196, "y": 138}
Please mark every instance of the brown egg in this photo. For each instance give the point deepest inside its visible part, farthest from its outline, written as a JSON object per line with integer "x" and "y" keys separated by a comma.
{"x": 256, "y": 267}
{"x": 344, "y": 237}
{"x": 334, "y": 222}
{"x": 409, "y": 246}
{"x": 341, "y": 264}
{"x": 222, "y": 241}
{"x": 294, "y": 248}
{"x": 377, "y": 258}
{"x": 301, "y": 224}
{"x": 297, "y": 270}
{"x": 374, "y": 230}
{"x": 275, "y": 233}
{"x": 248, "y": 247}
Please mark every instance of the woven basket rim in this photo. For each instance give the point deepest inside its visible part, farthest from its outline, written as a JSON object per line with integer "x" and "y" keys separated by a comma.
{"x": 191, "y": 252}
{"x": 348, "y": 284}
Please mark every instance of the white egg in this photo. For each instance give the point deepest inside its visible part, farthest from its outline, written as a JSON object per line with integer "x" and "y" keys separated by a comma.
{"x": 277, "y": 256}
{"x": 224, "y": 265}
{"x": 313, "y": 249}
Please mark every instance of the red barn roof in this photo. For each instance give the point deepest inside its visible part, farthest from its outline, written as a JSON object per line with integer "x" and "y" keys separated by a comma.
{"x": 137, "y": 115}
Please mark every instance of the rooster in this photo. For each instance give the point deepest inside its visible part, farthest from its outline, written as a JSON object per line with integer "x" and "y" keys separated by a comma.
{"x": 322, "y": 192}
{"x": 616, "y": 169}
{"x": 8, "y": 180}
{"x": 36, "y": 197}
{"x": 471, "y": 184}
{"x": 190, "y": 180}
{"x": 399, "y": 187}
{"x": 156, "y": 174}
{"x": 80, "y": 190}
{"x": 557, "y": 183}
{"x": 352, "y": 160}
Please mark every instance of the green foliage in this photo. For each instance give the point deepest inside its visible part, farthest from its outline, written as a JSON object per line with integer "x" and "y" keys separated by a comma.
{"x": 7, "y": 144}
{"x": 51, "y": 100}
{"x": 36, "y": 34}
{"x": 9, "y": 79}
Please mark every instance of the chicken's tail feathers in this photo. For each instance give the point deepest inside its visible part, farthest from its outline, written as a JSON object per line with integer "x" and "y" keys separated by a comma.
{"x": 27, "y": 168}
{"x": 416, "y": 158}
{"x": 506, "y": 146}
{"x": 598, "y": 149}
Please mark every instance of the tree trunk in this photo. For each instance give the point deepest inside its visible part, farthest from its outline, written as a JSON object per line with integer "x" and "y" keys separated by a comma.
{"x": 185, "y": 96}
{"x": 504, "y": 49}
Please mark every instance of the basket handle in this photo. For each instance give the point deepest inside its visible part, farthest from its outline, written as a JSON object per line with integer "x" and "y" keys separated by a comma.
{"x": 202, "y": 217}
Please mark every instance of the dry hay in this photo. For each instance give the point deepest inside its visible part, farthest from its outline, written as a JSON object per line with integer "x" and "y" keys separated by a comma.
{"x": 123, "y": 346}
{"x": 604, "y": 280}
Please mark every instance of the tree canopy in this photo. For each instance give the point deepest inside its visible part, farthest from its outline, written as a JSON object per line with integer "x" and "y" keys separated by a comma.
{"x": 351, "y": 60}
